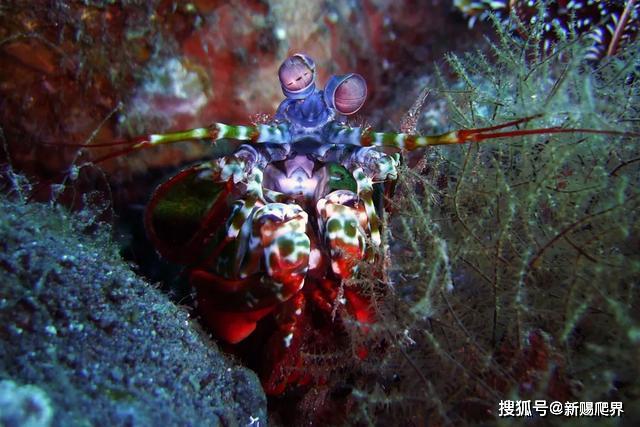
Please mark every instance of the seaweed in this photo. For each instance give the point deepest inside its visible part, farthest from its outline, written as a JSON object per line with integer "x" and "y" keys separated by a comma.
{"x": 513, "y": 264}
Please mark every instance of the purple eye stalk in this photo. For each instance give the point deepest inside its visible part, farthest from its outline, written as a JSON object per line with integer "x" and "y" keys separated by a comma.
{"x": 297, "y": 76}
{"x": 308, "y": 109}
{"x": 346, "y": 93}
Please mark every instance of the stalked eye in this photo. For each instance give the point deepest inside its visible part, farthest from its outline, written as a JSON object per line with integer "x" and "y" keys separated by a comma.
{"x": 297, "y": 76}
{"x": 346, "y": 93}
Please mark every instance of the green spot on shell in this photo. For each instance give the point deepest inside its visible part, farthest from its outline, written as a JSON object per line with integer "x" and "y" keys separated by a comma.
{"x": 333, "y": 225}
{"x": 350, "y": 229}
{"x": 286, "y": 247}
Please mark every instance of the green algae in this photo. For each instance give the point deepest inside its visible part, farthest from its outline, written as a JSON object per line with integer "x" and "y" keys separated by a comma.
{"x": 514, "y": 263}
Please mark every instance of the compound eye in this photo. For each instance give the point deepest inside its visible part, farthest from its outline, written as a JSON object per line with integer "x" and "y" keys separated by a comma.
{"x": 297, "y": 74}
{"x": 346, "y": 93}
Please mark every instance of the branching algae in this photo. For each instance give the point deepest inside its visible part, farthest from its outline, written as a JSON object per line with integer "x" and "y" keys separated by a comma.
{"x": 515, "y": 264}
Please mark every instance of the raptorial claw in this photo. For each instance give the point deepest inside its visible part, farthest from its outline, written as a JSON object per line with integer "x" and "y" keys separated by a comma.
{"x": 378, "y": 166}
{"x": 344, "y": 220}
{"x": 278, "y": 237}
{"x": 365, "y": 192}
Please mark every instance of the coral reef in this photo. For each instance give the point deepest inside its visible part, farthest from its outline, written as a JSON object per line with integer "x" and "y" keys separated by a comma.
{"x": 513, "y": 265}
{"x": 106, "y": 347}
